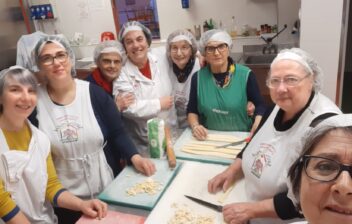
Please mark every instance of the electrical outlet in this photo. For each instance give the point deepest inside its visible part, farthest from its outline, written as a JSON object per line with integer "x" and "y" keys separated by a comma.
{"x": 39, "y": 12}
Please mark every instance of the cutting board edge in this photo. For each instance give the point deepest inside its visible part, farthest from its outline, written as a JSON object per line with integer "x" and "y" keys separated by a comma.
{"x": 204, "y": 160}
{"x": 104, "y": 198}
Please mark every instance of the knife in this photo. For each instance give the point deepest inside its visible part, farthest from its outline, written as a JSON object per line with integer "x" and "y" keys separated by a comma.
{"x": 234, "y": 143}
{"x": 205, "y": 203}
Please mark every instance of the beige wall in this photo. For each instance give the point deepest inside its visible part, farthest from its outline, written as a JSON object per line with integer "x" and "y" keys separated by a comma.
{"x": 320, "y": 36}
{"x": 252, "y": 12}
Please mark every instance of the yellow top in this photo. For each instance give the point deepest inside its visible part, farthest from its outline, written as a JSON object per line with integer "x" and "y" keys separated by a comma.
{"x": 20, "y": 141}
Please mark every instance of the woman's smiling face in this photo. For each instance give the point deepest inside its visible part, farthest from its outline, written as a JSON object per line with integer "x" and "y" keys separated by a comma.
{"x": 329, "y": 202}
{"x": 136, "y": 46}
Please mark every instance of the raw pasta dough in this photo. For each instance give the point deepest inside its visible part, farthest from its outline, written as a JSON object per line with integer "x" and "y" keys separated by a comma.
{"x": 208, "y": 147}
{"x": 209, "y": 153}
{"x": 222, "y": 138}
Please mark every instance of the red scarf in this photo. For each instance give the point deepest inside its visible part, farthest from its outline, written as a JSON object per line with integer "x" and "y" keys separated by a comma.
{"x": 99, "y": 79}
{"x": 146, "y": 70}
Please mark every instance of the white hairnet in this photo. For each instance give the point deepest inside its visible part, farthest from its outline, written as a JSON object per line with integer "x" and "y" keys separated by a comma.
{"x": 305, "y": 60}
{"x": 179, "y": 35}
{"x": 59, "y": 40}
{"x": 25, "y": 47}
{"x": 109, "y": 46}
{"x": 214, "y": 35}
{"x": 134, "y": 25}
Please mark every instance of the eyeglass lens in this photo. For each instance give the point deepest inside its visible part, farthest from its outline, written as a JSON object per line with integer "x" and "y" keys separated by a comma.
{"x": 49, "y": 59}
{"x": 220, "y": 48}
{"x": 324, "y": 169}
{"x": 183, "y": 49}
{"x": 288, "y": 81}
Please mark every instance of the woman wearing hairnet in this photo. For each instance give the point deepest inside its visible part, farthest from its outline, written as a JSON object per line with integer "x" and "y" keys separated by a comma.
{"x": 294, "y": 83}
{"x": 181, "y": 49}
{"x": 29, "y": 186}
{"x": 321, "y": 177}
{"x": 146, "y": 75}
{"x": 220, "y": 91}
{"x": 82, "y": 122}
{"x": 109, "y": 56}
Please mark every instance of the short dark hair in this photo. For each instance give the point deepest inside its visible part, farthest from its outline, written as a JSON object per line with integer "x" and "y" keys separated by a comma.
{"x": 312, "y": 139}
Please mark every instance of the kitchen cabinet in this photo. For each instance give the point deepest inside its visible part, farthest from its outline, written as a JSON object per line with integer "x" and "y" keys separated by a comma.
{"x": 261, "y": 73}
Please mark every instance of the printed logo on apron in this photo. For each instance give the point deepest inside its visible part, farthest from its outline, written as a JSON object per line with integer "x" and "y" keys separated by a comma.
{"x": 180, "y": 100}
{"x": 262, "y": 159}
{"x": 67, "y": 128}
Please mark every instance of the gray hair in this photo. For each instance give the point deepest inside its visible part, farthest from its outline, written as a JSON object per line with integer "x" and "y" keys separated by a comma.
{"x": 128, "y": 26}
{"x": 214, "y": 35}
{"x": 306, "y": 61}
{"x": 59, "y": 40}
{"x": 19, "y": 74}
{"x": 184, "y": 35}
{"x": 109, "y": 46}
{"x": 341, "y": 122}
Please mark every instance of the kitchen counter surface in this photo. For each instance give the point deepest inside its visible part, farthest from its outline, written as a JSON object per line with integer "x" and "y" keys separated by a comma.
{"x": 192, "y": 180}
{"x": 188, "y": 181}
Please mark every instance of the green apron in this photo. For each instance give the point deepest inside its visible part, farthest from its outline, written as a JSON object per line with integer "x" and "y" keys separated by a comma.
{"x": 224, "y": 109}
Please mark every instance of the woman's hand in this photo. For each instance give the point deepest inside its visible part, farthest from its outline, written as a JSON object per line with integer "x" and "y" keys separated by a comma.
{"x": 238, "y": 213}
{"x": 221, "y": 181}
{"x": 200, "y": 132}
{"x": 166, "y": 102}
{"x": 143, "y": 165}
{"x": 94, "y": 208}
{"x": 227, "y": 178}
{"x": 124, "y": 100}
{"x": 250, "y": 109}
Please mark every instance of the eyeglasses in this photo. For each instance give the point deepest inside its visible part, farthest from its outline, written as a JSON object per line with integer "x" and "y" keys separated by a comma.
{"x": 289, "y": 81}
{"x": 107, "y": 62}
{"x": 49, "y": 59}
{"x": 323, "y": 169}
{"x": 183, "y": 49}
{"x": 211, "y": 49}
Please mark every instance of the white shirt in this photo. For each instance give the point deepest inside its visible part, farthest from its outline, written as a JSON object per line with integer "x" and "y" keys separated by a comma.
{"x": 147, "y": 93}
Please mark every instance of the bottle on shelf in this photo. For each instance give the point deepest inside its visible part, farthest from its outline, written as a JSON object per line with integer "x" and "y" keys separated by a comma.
{"x": 233, "y": 28}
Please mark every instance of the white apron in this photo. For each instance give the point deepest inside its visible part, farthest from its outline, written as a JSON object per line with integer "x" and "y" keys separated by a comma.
{"x": 25, "y": 177}
{"x": 77, "y": 142}
{"x": 147, "y": 93}
{"x": 181, "y": 92}
{"x": 268, "y": 157}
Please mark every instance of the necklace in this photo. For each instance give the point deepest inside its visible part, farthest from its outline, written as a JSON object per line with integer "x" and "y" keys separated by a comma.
{"x": 223, "y": 79}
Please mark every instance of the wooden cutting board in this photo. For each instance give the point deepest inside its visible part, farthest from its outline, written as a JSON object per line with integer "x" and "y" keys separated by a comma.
{"x": 115, "y": 193}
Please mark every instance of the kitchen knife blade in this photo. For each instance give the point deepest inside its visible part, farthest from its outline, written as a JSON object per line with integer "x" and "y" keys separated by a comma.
{"x": 205, "y": 203}
{"x": 233, "y": 143}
